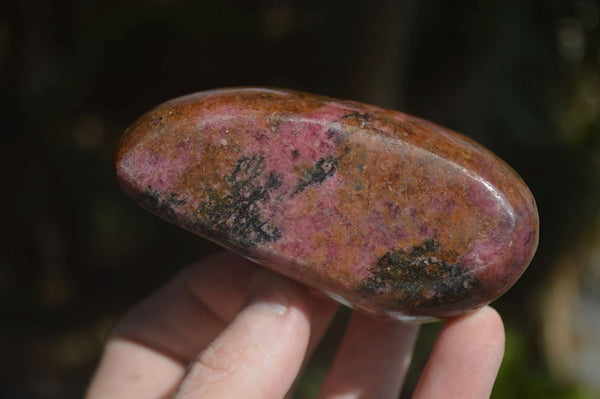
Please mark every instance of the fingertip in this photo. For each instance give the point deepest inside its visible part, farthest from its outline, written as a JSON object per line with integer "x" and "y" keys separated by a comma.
{"x": 219, "y": 281}
{"x": 486, "y": 323}
{"x": 372, "y": 359}
{"x": 465, "y": 358}
{"x": 486, "y": 318}
{"x": 271, "y": 292}
{"x": 493, "y": 325}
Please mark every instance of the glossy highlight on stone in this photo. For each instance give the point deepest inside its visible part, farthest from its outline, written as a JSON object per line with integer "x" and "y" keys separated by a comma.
{"x": 383, "y": 211}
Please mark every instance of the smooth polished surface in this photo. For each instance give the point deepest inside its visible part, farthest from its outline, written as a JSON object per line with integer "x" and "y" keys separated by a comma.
{"x": 383, "y": 211}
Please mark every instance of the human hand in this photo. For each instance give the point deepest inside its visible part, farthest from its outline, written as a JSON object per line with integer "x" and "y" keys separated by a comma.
{"x": 226, "y": 328}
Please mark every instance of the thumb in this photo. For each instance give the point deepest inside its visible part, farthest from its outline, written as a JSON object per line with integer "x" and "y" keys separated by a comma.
{"x": 260, "y": 353}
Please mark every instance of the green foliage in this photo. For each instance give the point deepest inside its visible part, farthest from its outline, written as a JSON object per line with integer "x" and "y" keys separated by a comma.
{"x": 521, "y": 376}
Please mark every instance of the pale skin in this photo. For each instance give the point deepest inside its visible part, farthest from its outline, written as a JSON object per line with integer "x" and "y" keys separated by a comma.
{"x": 225, "y": 328}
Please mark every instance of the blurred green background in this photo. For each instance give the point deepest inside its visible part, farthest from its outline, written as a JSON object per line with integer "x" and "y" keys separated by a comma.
{"x": 521, "y": 77}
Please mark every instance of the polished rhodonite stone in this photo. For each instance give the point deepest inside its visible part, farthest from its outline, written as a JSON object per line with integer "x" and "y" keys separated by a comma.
{"x": 383, "y": 211}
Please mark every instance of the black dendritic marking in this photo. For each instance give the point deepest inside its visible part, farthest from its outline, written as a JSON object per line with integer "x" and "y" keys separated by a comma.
{"x": 163, "y": 207}
{"x": 363, "y": 119}
{"x": 234, "y": 217}
{"x": 321, "y": 170}
{"x": 416, "y": 277}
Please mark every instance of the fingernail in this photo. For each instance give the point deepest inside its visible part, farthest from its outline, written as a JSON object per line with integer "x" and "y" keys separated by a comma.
{"x": 266, "y": 293}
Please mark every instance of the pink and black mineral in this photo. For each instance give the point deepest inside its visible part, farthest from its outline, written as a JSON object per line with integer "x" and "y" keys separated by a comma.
{"x": 383, "y": 211}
